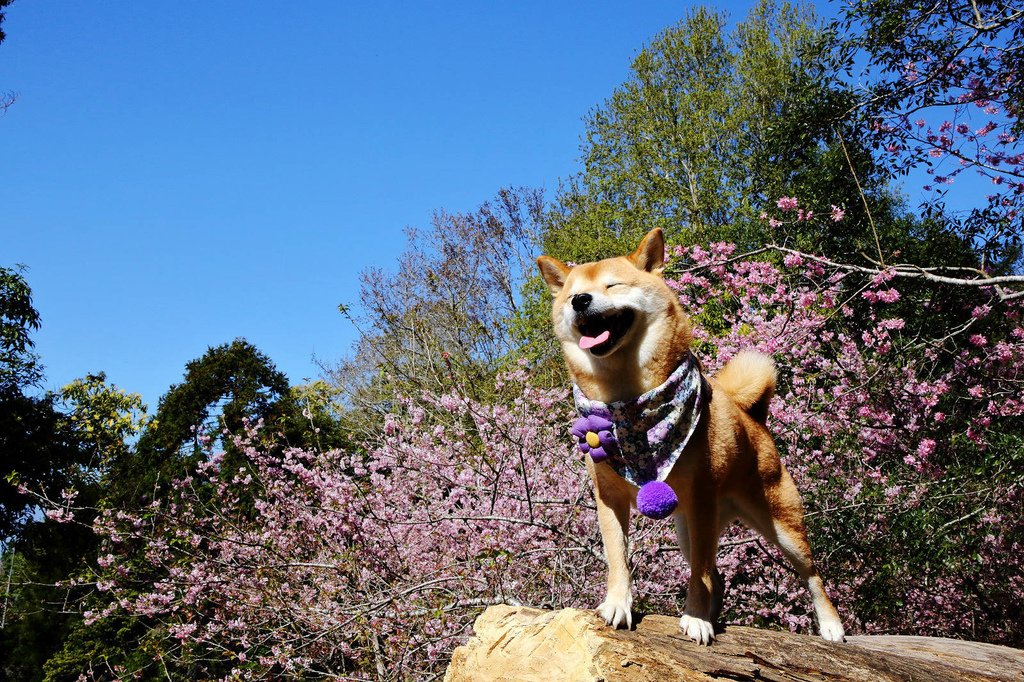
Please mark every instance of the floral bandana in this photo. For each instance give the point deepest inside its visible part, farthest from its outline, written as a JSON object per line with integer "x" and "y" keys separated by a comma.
{"x": 642, "y": 438}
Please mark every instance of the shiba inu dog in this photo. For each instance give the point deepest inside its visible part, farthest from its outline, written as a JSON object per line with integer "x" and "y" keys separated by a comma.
{"x": 625, "y": 338}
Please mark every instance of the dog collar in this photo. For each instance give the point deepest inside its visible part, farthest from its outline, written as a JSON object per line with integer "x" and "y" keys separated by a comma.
{"x": 642, "y": 438}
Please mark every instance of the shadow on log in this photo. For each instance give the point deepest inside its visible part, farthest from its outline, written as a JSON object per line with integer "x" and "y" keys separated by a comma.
{"x": 527, "y": 645}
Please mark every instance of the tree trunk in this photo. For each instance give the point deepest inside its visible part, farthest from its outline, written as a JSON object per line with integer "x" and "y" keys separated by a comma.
{"x": 525, "y": 645}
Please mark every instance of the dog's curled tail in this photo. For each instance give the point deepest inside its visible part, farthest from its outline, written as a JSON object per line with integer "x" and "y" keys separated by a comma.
{"x": 750, "y": 379}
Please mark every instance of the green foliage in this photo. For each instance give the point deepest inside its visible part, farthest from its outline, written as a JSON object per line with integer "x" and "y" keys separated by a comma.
{"x": 307, "y": 416}
{"x": 111, "y": 644}
{"x": 229, "y": 384}
{"x": 105, "y": 418}
{"x": 43, "y": 454}
{"x": 18, "y": 319}
{"x": 531, "y": 327}
{"x": 710, "y": 128}
{"x": 708, "y": 131}
{"x": 666, "y": 150}
{"x": 96, "y": 423}
{"x": 40, "y": 451}
{"x": 40, "y": 609}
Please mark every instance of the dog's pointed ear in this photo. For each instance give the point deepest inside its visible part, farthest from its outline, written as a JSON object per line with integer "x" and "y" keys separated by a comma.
{"x": 554, "y": 273}
{"x": 650, "y": 255}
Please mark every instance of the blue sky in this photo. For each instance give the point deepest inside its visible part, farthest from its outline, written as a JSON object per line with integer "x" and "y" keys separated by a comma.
{"x": 176, "y": 175}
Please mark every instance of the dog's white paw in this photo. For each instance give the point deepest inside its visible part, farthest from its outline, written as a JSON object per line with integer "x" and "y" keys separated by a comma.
{"x": 700, "y": 631}
{"x": 831, "y": 630}
{"x": 617, "y": 612}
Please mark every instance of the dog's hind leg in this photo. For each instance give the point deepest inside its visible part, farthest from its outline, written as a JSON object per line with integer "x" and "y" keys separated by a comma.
{"x": 779, "y": 518}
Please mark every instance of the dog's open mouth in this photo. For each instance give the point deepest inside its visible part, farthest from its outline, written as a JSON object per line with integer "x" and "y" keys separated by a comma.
{"x": 599, "y": 332}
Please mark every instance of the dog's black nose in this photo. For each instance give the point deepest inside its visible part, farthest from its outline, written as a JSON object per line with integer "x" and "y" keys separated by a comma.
{"x": 581, "y": 302}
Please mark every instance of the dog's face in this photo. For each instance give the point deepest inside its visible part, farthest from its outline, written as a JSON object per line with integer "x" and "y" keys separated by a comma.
{"x": 602, "y": 308}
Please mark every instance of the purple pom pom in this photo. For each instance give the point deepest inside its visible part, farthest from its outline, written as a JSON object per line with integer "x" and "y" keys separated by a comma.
{"x": 656, "y": 500}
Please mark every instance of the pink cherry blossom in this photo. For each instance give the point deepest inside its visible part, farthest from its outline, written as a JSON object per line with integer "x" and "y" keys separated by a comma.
{"x": 787, "y": 203}
{"x": 318, "y": 563}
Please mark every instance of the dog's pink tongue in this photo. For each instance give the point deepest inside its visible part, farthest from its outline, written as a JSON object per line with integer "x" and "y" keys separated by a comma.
{"x": 591, "y": 341}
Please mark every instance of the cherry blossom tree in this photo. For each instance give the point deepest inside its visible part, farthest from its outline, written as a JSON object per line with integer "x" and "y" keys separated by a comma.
{"x": 371, "y": 563}
{"x": 941, "y": 93}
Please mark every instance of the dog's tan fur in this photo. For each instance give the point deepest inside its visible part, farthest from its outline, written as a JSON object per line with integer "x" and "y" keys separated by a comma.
{"x": 730, "y": 469}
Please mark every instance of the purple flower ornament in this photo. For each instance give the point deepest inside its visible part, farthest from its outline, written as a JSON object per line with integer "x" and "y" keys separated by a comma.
{"x": 595, "y": 437}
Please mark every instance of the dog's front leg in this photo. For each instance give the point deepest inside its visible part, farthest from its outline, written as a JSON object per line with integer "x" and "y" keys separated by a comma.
{"x": 613, "y": 499}
{"x": 701, "y": 525}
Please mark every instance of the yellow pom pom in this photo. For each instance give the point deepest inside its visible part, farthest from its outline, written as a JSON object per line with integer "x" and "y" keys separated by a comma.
{"x": 592, "y": 439}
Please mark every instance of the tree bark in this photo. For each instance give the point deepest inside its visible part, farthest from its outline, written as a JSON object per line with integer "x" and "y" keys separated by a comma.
{"x": 525, "y": 645}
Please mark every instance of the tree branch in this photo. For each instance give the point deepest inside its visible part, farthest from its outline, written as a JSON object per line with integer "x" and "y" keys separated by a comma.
{"x": 902, "y": 270}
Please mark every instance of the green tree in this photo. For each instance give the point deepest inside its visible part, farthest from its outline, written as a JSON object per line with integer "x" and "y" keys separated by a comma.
{"x": 40, "y": 454}
{"x": 41, "y": 607}
{"x": 228, "y": 385}
{"x": 308, "y": 416}
{"x": 95, "y": 422}
{"x": 709, "y": 129}
{"x": 19, "y": 366}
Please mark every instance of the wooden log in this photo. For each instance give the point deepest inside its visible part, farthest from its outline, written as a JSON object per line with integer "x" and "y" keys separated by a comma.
{"x": 527, "y": 645}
